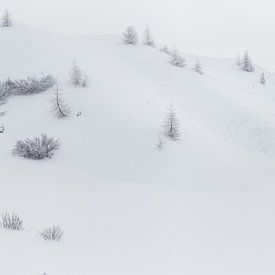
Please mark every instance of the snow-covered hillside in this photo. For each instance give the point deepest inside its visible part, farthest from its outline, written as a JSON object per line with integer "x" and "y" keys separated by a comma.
{"x": 201, "y": 205}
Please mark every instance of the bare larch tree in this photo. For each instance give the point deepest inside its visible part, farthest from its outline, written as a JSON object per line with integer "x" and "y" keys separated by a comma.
{"x": 76, "y": 75}
{"x": 6, "y": 19}
{"x": 198, "y": 68}
{"x": 263, "y": 80}
{"x": 148, "y": 38}
{"x": 246, "y": 64}
{"x": 59, "y": 106}
{"x": 171, "y": 123}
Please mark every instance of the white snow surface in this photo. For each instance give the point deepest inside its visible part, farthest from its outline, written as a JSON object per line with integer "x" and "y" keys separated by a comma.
{"x": 201, "y": 205}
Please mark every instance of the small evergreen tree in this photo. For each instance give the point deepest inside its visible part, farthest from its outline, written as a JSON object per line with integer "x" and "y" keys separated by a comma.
{"x": 247, "y": 64}
{"x": 198, "y": 68}
{"x": 147, "y": 38}
{"x": 6, "y": 19}
{"x": 263, "y": 80}
{"x": 130, "y": 36}
{"x": 176, "y": 59}
{"x": 171, "y": 124}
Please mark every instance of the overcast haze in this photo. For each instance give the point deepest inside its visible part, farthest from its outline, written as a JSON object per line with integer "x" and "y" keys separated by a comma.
{"x": 212, "y": 28}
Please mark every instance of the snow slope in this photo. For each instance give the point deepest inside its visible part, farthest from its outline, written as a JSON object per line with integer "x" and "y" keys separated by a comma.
{"x": 201, "y": 205}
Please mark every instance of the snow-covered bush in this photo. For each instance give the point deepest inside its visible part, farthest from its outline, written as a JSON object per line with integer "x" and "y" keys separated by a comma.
{"x": 26, "y": 86}
{"x": 53, "y": 233}
{"x": 78, "y": 78}
{"x": 11, "y": 221}
{"x": 37, "y": 148}
{"x": 32, "y": 85}
{"x": 59, "y": 106}
{"x": 176, "y": 59}
{"x": 148, "y": 38}
{"x": 171, "y": 123}
{"x": 246, "y": 64}
{"x": 130, "y": 36}
{"x": 6, "y": 19}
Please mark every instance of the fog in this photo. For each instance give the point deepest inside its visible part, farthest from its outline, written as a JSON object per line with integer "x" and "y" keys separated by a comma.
{"x": 217, "y": 28}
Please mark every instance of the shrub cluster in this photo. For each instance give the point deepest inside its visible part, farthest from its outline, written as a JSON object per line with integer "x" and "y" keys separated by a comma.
{"x": 53, "y": 233}
{"x": 37, "y": 148}
{"x": 26, "y": 86}
{"x": 12, "y": 222}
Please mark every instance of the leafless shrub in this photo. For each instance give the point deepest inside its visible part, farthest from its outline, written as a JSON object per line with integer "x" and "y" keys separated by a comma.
{"x": 32, "y": 85}
{"x": 37, "y": 148}
{"x": 53, "y": 233}
{"x": 11, "y": 221}
{"x": 26, "y": 86}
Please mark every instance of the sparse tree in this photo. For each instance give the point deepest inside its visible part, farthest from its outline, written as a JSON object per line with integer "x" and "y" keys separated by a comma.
{"x": 198, "y": 68}
{"x": 6, "y": 19}
{"x": 165, "y": 49}
{"x": 59, "y": 106}
{"x": 263, "y": 79}
{"x": 148, "y": 38}
{"x": 176, "y": 59}
{"x": 171, "y": 123}
{"x": 246, "y": 64}
{"x": 130, "y": 36}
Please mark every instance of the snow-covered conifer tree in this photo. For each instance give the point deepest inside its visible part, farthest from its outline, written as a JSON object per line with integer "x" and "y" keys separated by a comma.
{"x": 130, "y": 36}
{"x": 247, "y": 64}
{"x": 6, "y": 19}
{"x": 263, "y": 80}
{"x": 176, "y": 59}
{"x": 147, "y": 38}
{"x": 198, "y": 68}
{"x": 171, "y": 124}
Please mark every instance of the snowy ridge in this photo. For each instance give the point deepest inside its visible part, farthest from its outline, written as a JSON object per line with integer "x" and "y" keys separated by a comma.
{"x": 198, "y": 206}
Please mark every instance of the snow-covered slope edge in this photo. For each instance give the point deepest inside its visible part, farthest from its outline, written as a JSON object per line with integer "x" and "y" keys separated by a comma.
{"x": 200, "y": 205}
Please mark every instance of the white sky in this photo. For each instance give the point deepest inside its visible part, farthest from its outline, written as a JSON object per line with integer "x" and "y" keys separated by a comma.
{"x": 219, "y": 28}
